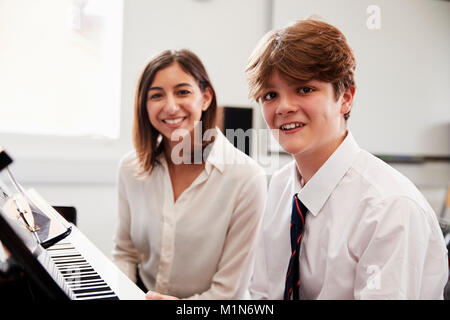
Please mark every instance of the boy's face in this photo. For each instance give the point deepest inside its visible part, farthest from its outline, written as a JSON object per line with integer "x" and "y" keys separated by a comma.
{"x": 305, "y": 118}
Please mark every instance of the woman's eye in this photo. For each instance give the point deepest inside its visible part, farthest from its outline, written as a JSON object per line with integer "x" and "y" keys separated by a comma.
{"x": 305, "y": 90}
{"x": 269, "y": 96}
{"x": 155, "y": 96}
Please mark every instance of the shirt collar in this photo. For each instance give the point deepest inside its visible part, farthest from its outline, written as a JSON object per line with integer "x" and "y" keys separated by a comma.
{"x": 318, "y": 189}
{"x": 216, "y": 152}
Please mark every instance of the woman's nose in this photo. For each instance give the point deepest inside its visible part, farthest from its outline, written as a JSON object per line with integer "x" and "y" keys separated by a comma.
{"x": 171, "y": 106}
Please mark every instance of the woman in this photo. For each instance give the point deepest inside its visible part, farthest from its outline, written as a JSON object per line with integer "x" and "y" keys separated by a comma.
{"x": 189, "y": 208}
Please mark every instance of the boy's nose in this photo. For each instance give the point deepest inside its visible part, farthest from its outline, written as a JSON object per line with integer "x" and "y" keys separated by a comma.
{"x": 285, "y": 105}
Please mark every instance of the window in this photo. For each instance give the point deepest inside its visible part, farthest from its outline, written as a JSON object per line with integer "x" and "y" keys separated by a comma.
{"x": 60, "y": 67}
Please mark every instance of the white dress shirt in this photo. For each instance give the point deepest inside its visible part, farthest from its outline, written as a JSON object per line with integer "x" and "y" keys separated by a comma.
{"x": 199, "y": 247}
{"x": 369, "y": 233}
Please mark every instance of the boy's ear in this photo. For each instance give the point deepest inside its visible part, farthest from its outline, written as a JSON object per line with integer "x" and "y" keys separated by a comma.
{"x": 347, "y": 99}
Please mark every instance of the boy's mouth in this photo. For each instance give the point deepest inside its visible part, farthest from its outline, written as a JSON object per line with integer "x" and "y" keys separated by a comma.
{"x": 291, "y": 126}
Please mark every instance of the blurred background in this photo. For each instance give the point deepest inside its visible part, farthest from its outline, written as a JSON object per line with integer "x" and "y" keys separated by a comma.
{"x": 69, "y": 68}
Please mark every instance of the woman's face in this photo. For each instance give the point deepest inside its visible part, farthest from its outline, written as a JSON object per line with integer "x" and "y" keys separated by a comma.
{"x": 175, "y": 103}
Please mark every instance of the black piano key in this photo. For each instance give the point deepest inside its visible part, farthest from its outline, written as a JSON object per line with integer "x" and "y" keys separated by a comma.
{"x": 77, "y": 280}
{"x": 75, "y": 277}
{"x": 62, "y": 248}
{"x": 76, "y": 270}
{"x": 69, "y": 262}
{"x": 92, "y": 290}
{"x": 106, "y": 297}
{"x": 73, "y": 266}
{"x": 79, "y": 266}
{"x": 87, "y": 282}
{"x": 86, "y": 285}
{"x": 71, "y": 256}
{"x": 79, "y": 275}
{"x": 109, "y": 298}
{"x": 88, "y": 278}
{"x": 94, "y": 276}
{"x": 85, "y": 265}
{"x": 59, "y": 256}
{"x": 74, "y": 284}
{"x": 75, "y": 260}
{"x": 95, "y": 295}
{"x": 70, "y": 266}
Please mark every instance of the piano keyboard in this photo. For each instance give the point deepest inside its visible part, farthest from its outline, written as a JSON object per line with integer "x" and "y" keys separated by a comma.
{"x": 76, "y": 275}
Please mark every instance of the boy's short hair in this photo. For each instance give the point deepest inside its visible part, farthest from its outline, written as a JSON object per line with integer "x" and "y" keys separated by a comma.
{"x": 306, "y": 50}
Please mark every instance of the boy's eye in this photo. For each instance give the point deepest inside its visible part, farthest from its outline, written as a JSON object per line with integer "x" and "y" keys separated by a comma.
{"x": 305, "y": 90}
{"x": 269, "y": 96}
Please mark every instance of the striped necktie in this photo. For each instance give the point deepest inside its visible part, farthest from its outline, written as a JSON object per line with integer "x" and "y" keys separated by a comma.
{"x": 292, "y": 286}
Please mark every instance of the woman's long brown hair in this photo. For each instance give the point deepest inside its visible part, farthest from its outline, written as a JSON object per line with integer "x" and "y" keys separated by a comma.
{"x": 146, "y": 138}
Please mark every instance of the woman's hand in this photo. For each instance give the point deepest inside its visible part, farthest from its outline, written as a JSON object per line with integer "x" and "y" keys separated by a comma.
{"x": 151, "y": 295}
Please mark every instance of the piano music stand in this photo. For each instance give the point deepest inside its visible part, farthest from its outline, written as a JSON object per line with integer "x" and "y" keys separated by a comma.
{"x": 22, "y": 255}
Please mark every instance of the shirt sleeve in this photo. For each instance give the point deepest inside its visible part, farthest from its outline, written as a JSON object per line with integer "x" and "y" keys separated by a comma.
{"x": 232, "y": 279}
{"x": 124, "y": 253}
{"x": 403, "y": 257}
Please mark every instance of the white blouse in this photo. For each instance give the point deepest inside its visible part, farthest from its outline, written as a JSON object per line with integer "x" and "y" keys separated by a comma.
{"x": 369, "y": 233}
{"x": 201, "y": 246}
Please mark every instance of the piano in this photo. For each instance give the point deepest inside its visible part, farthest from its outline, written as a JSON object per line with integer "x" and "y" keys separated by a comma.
{"x": 70, "y": 269}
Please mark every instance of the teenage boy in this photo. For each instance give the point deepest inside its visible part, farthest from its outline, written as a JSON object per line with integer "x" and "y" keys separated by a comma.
{"x": 339, "y": 223}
